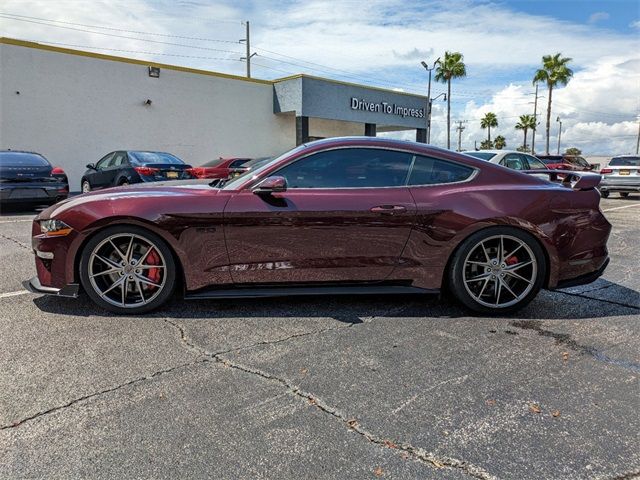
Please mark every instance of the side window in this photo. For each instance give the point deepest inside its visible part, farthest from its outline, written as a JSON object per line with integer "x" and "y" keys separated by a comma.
{"x": 432, "y": 171}
{"x": 349, "y": 168}
{"x": 513, "y": 161}
{"x": 238, "y": 163}
{"x": 104, "y": 161}
{"x": 118, "y": 159}
{"x": 534, "y": 163}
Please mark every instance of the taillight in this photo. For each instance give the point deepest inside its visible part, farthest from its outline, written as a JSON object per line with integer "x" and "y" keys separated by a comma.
{"x": 57, "y": 171}
{"x": 197, "y": 172}
{"x": 147, "y": 171}
{"x": 606, "y": 170}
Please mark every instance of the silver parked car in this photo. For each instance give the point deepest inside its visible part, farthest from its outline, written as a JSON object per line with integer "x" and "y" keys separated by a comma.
{"x": 622, "y": 175}
{"x": 510, "y": 159}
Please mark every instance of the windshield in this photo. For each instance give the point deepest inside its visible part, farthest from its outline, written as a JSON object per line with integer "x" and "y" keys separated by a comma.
{"x": 155, "y": 157}
{"x": 578, "y": 161}
{"x": 256, "y": 167}
{"x": 625, "y": 162}
{"x": 22, "y": 159}
{"x": 549, "y": 160}
{"x": 482, "y": 155}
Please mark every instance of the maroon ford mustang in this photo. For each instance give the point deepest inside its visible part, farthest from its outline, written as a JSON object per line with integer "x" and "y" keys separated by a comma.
{"x": 345, "y": 215}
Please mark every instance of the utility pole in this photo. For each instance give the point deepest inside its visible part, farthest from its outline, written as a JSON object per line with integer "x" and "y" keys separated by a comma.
{"x": 248, "y": 56}
{"x": 459, "y": 129}
{"x": 559, "y": 133}
{"x": 429, "y": 101}
{"x": 638, "y": 141}
{"x": 535, "y": 116}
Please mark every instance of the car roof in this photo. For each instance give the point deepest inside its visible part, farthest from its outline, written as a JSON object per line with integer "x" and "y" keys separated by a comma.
{"x": 493, "y": 151}
{"x": 21, "y": 151}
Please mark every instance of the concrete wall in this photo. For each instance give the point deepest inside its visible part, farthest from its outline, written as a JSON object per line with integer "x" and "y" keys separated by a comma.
{"x": 74, "y": 109}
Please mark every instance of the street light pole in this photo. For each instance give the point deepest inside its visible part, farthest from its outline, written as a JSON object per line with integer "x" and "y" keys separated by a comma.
{"x": 429, "y": 102}
{"x": 559, "y": 133}
{"x": 535, "y": 127}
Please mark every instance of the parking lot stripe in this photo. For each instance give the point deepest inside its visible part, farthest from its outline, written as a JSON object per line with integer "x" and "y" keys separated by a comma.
{"x": 13, "y": 294}
{"x": 16, "y": 221}
{"x": 620, "y": 208}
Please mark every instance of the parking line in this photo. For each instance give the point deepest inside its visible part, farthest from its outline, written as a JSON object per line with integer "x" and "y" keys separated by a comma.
{"x": 13, "y": 294}
{"x": 620, "y": 208}
{"x": 16, "y": 221}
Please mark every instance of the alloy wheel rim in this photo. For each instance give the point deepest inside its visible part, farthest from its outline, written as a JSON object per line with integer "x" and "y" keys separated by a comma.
{"x": 500, "y": 271}
{"x": 127, "y": 270}
{"x": 85, "y": 187}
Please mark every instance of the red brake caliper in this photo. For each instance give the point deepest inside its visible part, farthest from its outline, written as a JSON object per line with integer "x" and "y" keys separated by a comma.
{"x": 512, "y": 260}
{"x": 153, "y": 274}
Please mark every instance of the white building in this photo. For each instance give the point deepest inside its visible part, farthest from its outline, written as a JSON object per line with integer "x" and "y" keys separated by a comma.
{"x": 75, "y": 106}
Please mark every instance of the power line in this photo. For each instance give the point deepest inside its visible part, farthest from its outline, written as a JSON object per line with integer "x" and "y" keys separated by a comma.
{"x": 113, "y": 29}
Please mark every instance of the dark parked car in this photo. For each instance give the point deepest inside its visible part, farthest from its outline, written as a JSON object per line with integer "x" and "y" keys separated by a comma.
{"x": 566, "y": 162}
{"x": 133, "y": 166}
{"x": 622, "y": 175}
{"x": 221, "y": 168}
{"x": 337, "y": 216}
{"x": 29, "y": 178}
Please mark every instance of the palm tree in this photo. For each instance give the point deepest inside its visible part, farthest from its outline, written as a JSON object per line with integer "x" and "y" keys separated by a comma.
{"x": 526, "y": 123}
{"x": 489, "y": 120}
{"x": 500, "y": 142}
{"x": 450, "y": 67}
{"x": 554, "y": 72}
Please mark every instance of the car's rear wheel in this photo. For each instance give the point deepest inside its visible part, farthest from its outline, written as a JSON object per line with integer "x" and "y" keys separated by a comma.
{"x": 624, "y": 194}
{"x": 86, "y": 186}
{"x": 604, "y": 194}
{"x": 497, "y": 270}
{"x": 127, "y": 270}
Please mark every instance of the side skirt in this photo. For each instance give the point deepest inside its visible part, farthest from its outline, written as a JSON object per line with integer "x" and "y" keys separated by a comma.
{"x": 287, "y": 291}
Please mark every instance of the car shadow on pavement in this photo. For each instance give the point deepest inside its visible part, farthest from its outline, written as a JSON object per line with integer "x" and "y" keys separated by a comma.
{"x": 352, "y": 309}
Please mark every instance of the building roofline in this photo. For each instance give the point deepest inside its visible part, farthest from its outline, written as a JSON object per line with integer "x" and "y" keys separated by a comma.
{"x": 133, "y": 61}
{"x": 349, "y": 84}
{"x": 113, "y": 58}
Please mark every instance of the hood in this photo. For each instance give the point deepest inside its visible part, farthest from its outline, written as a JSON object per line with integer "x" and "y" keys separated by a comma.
{"x": 138, "y": 190}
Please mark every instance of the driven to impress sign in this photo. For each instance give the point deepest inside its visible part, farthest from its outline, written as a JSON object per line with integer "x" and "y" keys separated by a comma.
{"x": 386, "y": 108}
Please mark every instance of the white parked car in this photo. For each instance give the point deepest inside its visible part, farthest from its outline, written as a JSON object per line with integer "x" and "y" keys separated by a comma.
{"x": 622, "y": 175}
{"x": 510, "y": 159}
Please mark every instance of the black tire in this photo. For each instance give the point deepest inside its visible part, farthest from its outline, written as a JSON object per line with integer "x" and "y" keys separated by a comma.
{"x": 604, "y": 194}
{"x": 624, "y": 194}
{"x": 85, "y": 186}
{"x": 169, "y": 278}
{"x": 456, "y": 270}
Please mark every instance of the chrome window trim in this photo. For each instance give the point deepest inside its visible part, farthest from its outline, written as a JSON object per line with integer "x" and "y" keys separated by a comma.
{"x": 474, "y": 174}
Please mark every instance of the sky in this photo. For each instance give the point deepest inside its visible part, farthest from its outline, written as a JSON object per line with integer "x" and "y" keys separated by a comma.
{"x": 381, "y": 43}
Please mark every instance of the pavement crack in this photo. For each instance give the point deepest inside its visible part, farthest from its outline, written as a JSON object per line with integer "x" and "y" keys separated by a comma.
{"x": 566, "y": 340}
{"x": 120, "y": 386}
{"x": 407, "y": 450}
{"x": 612, "y": 302}
{"x": 17, "y": 242}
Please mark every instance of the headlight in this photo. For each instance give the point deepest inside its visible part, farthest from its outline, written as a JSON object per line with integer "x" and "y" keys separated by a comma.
{"x": 54, "y": 228}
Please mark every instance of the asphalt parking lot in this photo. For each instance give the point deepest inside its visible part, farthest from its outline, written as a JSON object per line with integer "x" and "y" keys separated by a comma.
{"x": 385, "y": 387}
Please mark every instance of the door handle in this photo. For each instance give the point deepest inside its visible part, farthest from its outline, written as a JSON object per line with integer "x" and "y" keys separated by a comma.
{"x": 389, "y": 209}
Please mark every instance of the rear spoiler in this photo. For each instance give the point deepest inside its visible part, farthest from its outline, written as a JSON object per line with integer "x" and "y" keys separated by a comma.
{"x": 569, "y": 178}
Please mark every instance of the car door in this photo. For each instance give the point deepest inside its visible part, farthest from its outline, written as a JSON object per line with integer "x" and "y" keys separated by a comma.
{"x": 98, "y": 177}
{"x": 118, "y": 162}
{"x": 345, "y": 217}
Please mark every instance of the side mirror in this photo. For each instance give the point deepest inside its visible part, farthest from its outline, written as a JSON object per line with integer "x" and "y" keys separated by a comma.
{"x": 91, "y": 166}
{"x": 271, "y": 185}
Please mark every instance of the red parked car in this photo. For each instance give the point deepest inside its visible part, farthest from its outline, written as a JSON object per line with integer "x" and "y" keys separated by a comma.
{"x": 566, "y": 162}
{"x": 345, "y": 215}
{"x": 221, "y": 168}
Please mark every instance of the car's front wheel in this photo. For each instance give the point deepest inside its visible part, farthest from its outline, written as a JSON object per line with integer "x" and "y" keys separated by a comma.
{"x": 86, "y": 186}
{"x": 497, "y": 270}
{"x": 127, "y": 270}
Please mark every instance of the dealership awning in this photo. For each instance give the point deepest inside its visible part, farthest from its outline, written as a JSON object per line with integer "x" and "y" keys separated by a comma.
{"x": 377, "y": 109}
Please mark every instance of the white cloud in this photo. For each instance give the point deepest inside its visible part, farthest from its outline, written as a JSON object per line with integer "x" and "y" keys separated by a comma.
{"x": 380, "y": 42}
{"x": 598, "y": 17}
{"x": 635, "y": 24}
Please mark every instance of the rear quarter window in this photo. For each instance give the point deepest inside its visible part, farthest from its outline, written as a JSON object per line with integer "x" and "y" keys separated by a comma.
{"x": 433, "y": 171}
